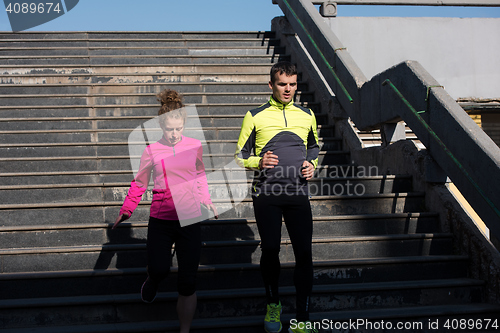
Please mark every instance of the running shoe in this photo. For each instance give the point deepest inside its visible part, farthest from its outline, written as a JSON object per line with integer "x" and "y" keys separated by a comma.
{"x": 272, "y": 323}
{"x": 303, "y": 327}
{"x": 148, "y": 291}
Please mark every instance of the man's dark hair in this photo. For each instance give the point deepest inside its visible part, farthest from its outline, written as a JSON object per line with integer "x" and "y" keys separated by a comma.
{"x": 283, "y": 67}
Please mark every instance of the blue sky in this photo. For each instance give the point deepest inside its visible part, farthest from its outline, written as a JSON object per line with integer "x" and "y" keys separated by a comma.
{"x": 210, "y": 15}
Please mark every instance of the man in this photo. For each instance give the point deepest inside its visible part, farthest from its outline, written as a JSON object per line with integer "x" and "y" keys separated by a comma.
{"x": 284, "y": 141}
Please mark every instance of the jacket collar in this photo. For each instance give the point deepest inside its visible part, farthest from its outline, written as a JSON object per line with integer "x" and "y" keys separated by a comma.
{"x": 278, "y": 104}
{"x": 164, "y": 141}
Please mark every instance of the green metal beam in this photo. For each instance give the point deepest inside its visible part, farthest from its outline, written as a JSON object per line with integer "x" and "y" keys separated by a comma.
{"x": 458, "y": 3}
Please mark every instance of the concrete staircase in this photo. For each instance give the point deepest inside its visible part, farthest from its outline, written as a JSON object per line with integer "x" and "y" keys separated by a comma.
{"x": 68, "y": 102}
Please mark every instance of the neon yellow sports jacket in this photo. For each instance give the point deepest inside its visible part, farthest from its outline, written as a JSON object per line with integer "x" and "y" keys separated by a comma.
{"x": 289, "y": 131}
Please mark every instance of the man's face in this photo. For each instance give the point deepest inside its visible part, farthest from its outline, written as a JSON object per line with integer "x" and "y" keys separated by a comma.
{"x": 284, "y": 87}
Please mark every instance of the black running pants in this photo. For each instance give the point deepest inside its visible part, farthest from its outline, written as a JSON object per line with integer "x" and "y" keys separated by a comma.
{"x": 296, "y": 212}
{"x": 162, "y": 234}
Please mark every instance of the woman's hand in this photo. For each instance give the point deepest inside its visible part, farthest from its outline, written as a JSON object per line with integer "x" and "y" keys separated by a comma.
{"x": 120, "y": 219}
{"x": 212, "y": 208}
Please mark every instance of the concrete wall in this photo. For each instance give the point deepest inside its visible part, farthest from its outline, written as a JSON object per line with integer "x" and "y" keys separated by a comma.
{"x": 463, "y": 55}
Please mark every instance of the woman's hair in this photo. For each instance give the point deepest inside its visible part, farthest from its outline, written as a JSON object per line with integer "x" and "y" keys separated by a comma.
{"x": 171, "y": 106}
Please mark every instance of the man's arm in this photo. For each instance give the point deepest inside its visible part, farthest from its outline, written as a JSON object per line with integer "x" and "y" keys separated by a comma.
{"x": 246, "y": 143}
{"x": 312, "y": 143}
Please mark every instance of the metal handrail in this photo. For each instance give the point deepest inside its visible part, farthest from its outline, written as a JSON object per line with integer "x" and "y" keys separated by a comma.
{"x": 455, "y": 3}
{"x": 443, "y": 146}
{"x": 449, "y": 134}
{"x": 344, "y": 90}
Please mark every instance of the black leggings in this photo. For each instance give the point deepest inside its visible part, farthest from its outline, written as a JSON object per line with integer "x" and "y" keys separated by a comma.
{"x": 162, "y": 234}
{"x": 296, "y": 211}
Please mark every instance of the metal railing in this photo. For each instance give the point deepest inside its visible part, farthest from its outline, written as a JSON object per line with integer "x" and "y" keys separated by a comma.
{"x": 407, "y": 92}
{"x": 464, "y": 3}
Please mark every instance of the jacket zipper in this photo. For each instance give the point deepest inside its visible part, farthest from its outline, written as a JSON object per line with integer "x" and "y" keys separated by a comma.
{"x": 284, "y": 116}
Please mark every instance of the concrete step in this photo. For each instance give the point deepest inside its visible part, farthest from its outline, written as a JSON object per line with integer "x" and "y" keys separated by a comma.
{"x": 46, "y": 193}
{"x": 143, "y": 41}
{"x": 160, "y": 76}
{"x": 125, "y": 99}
{"x": 81, "y": 163}
{"x": 133, "y": 255}
{"x": 85, "y": 131}
{"x": 110, "y": 70}
{"x": 39, "y": 178}
{"x": 417, "y": 318}
{"x": 183, "y": 35}
{"x": 146, "y": 111}
{"x": 374, "y": 138}
{"x": 54, "y": 52}
{"x": 125, "y": 176}
{"x": 126, "y": 122}
{"x": 123, "y": 308}
{"x": 51, "y": 142}
{"x": 25, "y": 236}
{"x": 120, "y": 135}
{"x": 7, "y": 125}
{"x": 77, "y": 212}
{"x": 153, "y": 59}
{"x": 124, "y": 280}
{"x": 120, "y": 148}
{"x": 73, "y": 179}
{"x": 135, "y": 88}
{"x": 37, "y": 35}
{"x": 335, "y": 247}
{"x": 102, "y": 35}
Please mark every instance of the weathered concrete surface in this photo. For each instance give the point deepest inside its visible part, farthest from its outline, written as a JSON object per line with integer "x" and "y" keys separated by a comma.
{"x": 460, "y": 53}
{"x": 405, "y": 158}
{"x": 444, "y": 128}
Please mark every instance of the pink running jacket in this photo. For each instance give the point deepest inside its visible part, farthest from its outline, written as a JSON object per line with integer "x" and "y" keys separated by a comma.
{"x": 180, "y": 183}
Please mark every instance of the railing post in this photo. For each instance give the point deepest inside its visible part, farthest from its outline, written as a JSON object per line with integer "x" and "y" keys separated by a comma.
{"x": 328, "y": 9}
{"x": 392, "y": 132}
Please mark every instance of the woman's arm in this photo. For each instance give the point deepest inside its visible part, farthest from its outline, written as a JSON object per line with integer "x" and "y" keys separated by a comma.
{"x": 202, "y": 183}
{"x": 137, "y": 188}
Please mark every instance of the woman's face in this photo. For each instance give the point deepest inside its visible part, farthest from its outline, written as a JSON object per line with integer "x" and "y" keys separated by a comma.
{"x": 172, "y": 130}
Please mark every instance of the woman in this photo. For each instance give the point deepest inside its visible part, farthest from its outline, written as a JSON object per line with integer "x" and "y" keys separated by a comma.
{"x": 180, "y": 187}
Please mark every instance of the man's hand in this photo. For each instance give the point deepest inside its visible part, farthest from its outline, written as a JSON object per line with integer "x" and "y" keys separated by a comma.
{"x": 307, "y": 170}
{"x": 268, "y": 161}
{"x": 120, "y": 219}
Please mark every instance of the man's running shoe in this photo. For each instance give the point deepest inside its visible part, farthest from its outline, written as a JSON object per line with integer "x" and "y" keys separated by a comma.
{"x": 148, "y": 291}
{"x": 302, "y": 327}
{"x": 272, "y": 323}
